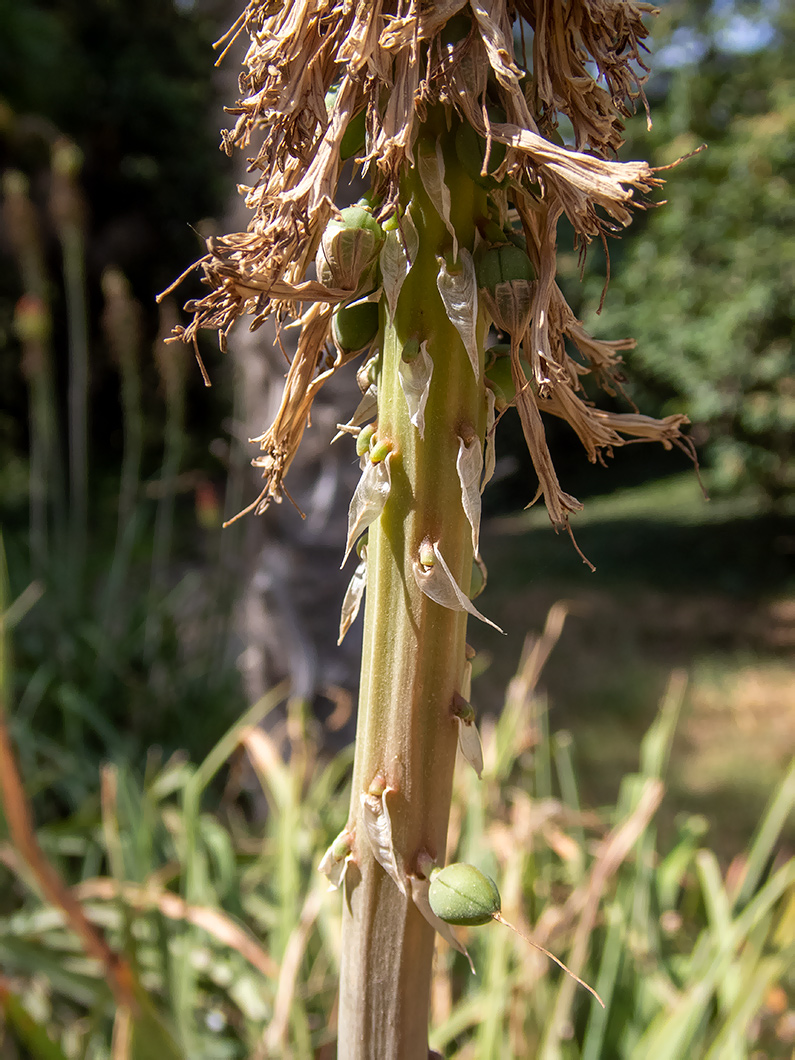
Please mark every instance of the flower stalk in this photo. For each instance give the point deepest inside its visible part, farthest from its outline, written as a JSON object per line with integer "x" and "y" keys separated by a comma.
{"x": 414, "y": 649}
{"x": 457, "y": 126}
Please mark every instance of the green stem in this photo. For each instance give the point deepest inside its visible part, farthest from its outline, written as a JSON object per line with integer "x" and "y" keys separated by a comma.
{"x": 413, "y": 655}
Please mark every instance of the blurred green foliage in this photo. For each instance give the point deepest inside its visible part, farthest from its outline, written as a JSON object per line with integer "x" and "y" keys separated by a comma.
{"x": 705, "y": 282}
{"x": 126, "y": 650}
{"x": 108, "y": 497}
{"x": 131, "y": 85}
{"x": 234, "y": 935}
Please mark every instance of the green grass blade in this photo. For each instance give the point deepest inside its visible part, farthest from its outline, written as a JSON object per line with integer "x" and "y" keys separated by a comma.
{"x": 35, "y": 1038}
{"x": 776, "y": 815}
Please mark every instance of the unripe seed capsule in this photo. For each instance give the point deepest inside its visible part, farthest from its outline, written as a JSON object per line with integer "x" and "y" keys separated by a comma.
{"x": 505, "y": 263}
{"x": 517, "y": 237}
{"x": 504, "y": 275}
{"x": 349, "y": 248}
{"x": 494, "y": 353}
{"x": 499, "y": 374}
{"x": 352, "y": 140}
{"x": 462, "y": 895}
{"x": 471, "y": 150}
{"x": 355, "y": 326}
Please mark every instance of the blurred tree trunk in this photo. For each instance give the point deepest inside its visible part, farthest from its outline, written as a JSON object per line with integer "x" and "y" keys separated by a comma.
{"x": 287, "y": 615}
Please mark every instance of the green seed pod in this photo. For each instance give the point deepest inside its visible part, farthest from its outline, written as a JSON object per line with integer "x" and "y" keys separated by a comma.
{"x": 355, "y": 326}
{"x": 353, "y": 138}
{"x": 349, "y": 249}
{"x": 496, "y": 352}
{"x": 516, "y": 237}
{"x": 471, "y": 151}
{"x": 503, "y": 264}
{"x": 500, "y": 376}
{"x": 462, "y": 895}
{"x": 505, "y": 274}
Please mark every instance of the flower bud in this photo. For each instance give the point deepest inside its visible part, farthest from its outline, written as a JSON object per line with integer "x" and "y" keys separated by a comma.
{"x": 505, "y": 275}
{"x": 349, "y": 249}
{"x": 461, "y": 894}
{"x": 363, "y": 439}
{"x": 367, "y": 375}
{"x": 355, "y": 326}
{"x": 379, "y": 450}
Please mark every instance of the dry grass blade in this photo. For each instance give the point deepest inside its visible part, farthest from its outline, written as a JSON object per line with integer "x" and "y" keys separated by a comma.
{"x": 275, "y": 1039}
{"x": 585, "y": 900}
{"x": 537, "y": 651}
{"x": 121, "y": 1042}
{"x": 20, "y": 823}
{"x": 215, "y": 922}
{"x": 268, "y": 763}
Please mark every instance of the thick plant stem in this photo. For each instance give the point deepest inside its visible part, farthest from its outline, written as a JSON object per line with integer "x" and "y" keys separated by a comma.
{"x": 414, "y": 653}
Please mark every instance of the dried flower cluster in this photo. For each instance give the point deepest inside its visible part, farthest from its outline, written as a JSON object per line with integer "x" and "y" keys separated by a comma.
{"x": 329, "y": 79}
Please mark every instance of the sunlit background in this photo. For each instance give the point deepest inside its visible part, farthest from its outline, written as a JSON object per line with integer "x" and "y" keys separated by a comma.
{"x": 144, "y": 630}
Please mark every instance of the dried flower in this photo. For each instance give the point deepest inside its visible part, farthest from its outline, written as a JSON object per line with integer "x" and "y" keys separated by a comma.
{"x": 326, "y": 79}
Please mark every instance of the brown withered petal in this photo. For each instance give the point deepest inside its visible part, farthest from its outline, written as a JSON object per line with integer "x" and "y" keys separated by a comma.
{"x": 559, "y": 503}
{"x": 565, "y": 40}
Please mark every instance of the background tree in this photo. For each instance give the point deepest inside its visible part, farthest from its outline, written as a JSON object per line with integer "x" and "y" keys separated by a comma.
{"x": 705, "y": 283}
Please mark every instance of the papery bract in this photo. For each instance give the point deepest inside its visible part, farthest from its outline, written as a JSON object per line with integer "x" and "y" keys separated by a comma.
{"x": 419, "y": 893}
{"x": 469, "y": 465}
{"x": 439, "y": 585}
{"x": 378, "y": 829}
{"x": 415, "y": 381}
{"x": 459, "y": 292}
{"x": 368, "y": 500}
